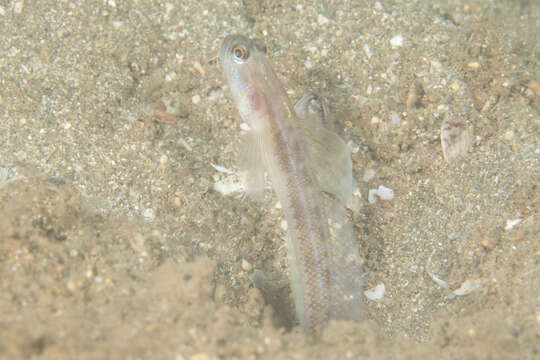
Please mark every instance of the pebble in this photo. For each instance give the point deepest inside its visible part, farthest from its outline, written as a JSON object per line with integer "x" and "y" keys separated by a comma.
{"x": 246, "y": 266}
{"x": 148, "y": 214}
{"x": 395, "y": 120}
{"x": 473, "y": 65}
{"x": 367, "y": 50}
{"x": 368, "y": 175}
{"x": 18, "y": 7}
{"x": 509, "y": 135}
{"x": 322, "y": 20}
{"x": 163, "y": 159}
{"x": 396, "y": 41}
{"x": 198, "y": 67}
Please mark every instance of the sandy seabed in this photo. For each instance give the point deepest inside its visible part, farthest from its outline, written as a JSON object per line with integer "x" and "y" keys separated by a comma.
{"x": 115, "y": 244}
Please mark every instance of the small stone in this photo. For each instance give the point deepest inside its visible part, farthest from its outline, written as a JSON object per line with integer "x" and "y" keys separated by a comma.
{"x": 368, "y": 175}
{"x": 18, "y": 7}
{"x": 395, "y": 120}
{"x": 177, "y": 201}
{"x": 367, "y": 50}
{"x": 509, "y": 135}
{"x": 454, "y": 86}
{"x": 436, "y": 65}
{"x": 322, "y": 20}
{"x": 487, "y": 243}
{"x": 198, "y": 67}
{"x": 246, "y": 266}
{"x": 375, "y": 120}
{"x": 148, "y": 214}
{"x": 396, "y": 41}
{"x": 196, "y": 99}
{"x": 473, "y": 65}
{"x": 163, "y": 160}
{"x": 412, "y": 97}
{"x": 533, "y": 89}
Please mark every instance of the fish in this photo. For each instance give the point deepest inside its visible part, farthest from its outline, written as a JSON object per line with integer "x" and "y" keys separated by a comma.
{"x": 310, "y": 169}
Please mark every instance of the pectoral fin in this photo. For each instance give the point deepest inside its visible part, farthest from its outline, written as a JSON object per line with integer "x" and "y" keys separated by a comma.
{"x": 250, "y": 160}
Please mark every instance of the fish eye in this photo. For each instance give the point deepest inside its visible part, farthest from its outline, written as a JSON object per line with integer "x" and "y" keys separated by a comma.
{"x": 240, "y": 53}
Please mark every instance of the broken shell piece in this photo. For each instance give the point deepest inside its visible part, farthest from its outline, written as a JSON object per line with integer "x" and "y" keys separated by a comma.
{"x": 435, "y": 278}
{"x": 375, "y": 293}
{"x": 222, "y": 169}
{"x": 231, "y": 184}
{"x": 466, "y": 288}
{"x": 456, "y": 138}
{"x": 510, "y": 224}
{"x": 438, "y": 280}
{"x": 382, "y": 193}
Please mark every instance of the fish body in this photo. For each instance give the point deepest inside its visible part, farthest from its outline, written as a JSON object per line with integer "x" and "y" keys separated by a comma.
{"x": 311, "y": 174}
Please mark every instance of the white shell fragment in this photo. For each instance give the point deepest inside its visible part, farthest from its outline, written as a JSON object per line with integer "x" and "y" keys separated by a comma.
{"x": 435, "y": 278}
{"x": 456, "y": 138}
{"x": 230, "y": 184}
{"x": 396, "y": 41}
{"x": 438, "y": 280}
{"x": 382, "y": 193}
{"x": 148, "y": 214}
{"x": 510, "y": 224}
{"x": 222, "y": 169}
{"x": 245, "y": 127}
{"x": 466, "y": 288}
{"x": 375, "y": 293}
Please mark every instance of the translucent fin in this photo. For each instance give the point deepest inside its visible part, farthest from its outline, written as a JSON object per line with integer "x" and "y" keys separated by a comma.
{"x": 250, "y": 160}
{"x": 346, "y": 277}
{"x": 328, "y": 155}
{"x": 296, "y": 271}
{"x": 312, "y": 105}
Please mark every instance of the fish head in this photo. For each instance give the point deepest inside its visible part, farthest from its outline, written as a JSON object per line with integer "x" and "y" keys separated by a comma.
{"x": 247, "y": 69}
